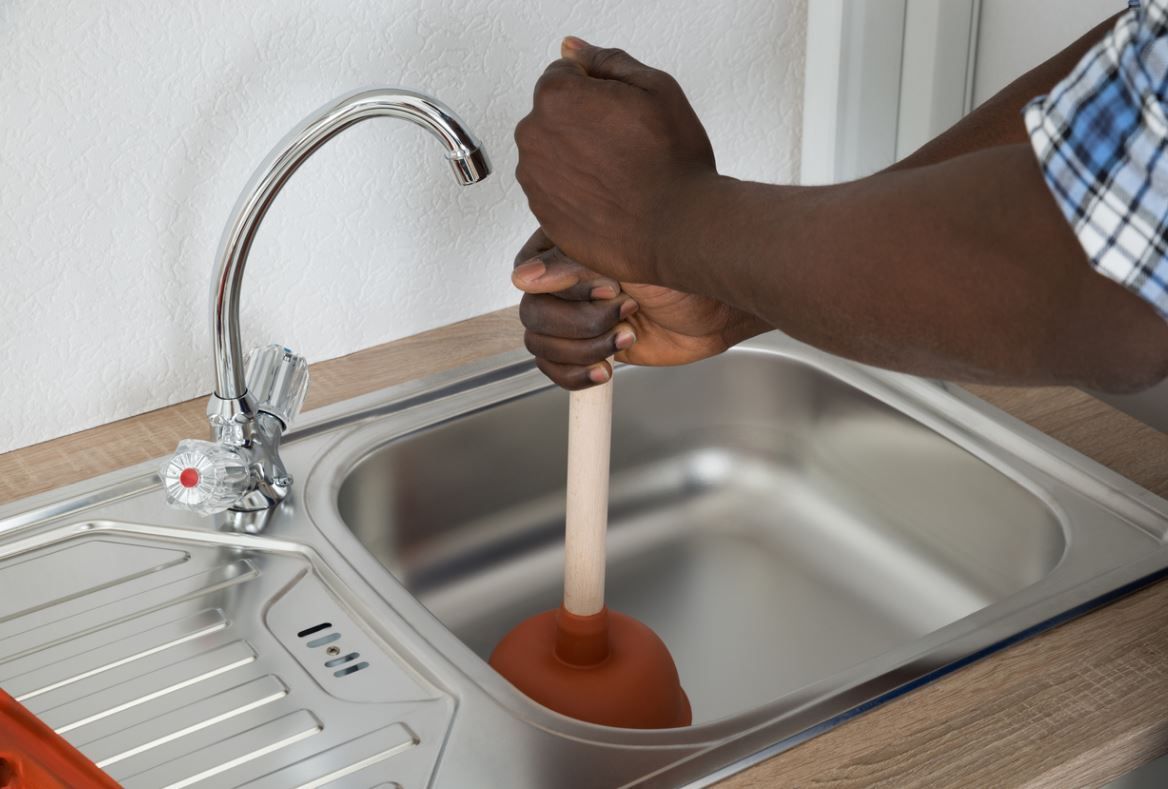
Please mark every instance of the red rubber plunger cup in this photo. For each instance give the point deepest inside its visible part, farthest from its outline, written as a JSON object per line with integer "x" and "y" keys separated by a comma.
{"x": 583, "y": 660}
{"x": 606, "y": 668}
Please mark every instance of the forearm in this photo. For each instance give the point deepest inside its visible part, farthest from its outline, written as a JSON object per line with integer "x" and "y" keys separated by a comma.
{"x": 962, "y": 270}
{"x": 998, "y": 121}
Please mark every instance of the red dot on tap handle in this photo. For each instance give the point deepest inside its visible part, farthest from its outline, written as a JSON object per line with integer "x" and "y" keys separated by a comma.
{"x": 188, "y": 478}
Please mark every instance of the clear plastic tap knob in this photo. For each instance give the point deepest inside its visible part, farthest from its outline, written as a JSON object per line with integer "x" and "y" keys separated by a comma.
{"x": 277, "y": 380}
{"x": 204, "y": 477}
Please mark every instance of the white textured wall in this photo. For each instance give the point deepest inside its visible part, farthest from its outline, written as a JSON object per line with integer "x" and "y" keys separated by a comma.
{"x": 128, "y": 128}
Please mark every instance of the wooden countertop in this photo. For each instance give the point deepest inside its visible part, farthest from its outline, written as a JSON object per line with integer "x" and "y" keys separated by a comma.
{"x": 1076, "y": 706}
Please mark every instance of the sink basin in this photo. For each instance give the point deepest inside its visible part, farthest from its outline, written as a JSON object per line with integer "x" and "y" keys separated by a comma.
{"x": 810, "y": 537}
{"x": 773, "y": 524}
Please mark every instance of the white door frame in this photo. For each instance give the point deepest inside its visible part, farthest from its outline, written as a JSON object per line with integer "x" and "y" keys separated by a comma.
{"x": 882, "y": 77}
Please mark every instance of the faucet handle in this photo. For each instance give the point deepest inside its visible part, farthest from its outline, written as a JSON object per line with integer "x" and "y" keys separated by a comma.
{"x": 277, "y": 380}
{"x": 205, "y": 477}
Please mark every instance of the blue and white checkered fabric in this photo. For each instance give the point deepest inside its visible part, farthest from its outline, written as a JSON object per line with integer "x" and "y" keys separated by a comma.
{"x": 1100, "y": 137}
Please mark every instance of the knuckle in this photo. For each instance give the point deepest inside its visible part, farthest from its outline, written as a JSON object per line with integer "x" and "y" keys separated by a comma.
{"x": 661, "y": 81}
{"x": 549, "y": 89}
{"x": 527, "y": 177}
{"x": 555, "y": 256}
{"x": 598, "y": 321}
{"x": 531, "y": 341}
{"x": 605, "y": 56}
{"x": 575, "y": 382}
{"x": 525, "y": 254}
{"x": 523, "y": 132}
{"x": 529, "y": 311}
{"x": 580, "y": 352}
{"x": 545, "y": 367}
{"x": 541, "y": 87}
{"x": 555, "y": 373}
{"x": 530, "y": 134}
{"x": 527, "y": 146}
{"x": 600, "y": 349}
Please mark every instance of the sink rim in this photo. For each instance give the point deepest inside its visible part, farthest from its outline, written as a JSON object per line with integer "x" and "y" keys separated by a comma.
{"x": 1008, "y": 445}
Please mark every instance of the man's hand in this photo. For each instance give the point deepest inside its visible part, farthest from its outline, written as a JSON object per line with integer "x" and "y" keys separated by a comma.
{"x": 576, "y": 319}
{"x": 608, "y": 149}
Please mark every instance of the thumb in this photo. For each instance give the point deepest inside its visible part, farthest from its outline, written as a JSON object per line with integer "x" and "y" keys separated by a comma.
{"x": 605, "y": 63}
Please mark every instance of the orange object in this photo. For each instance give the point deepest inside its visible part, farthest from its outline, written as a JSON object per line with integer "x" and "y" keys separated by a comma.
{"x": 606, "y": 668}
{"x": 33, "y": 756}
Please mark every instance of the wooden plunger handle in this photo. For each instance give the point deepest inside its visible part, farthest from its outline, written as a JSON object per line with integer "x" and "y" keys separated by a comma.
{"x": 589, "y": 441}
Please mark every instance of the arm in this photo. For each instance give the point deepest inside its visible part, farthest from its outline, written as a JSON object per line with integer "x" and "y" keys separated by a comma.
{"x": 963, "y": 270}
{"x": 958, "y": 266}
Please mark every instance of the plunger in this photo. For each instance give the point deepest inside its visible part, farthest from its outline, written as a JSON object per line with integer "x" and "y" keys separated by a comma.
{"x": 583, "y": 660}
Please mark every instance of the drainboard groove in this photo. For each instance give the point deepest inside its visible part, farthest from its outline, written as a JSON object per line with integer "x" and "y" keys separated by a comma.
{"x": 95, "y": 565}
{"x": 78, "y": 663}
{"x": 167, "y": 680}
{"x": 230, "y": 753}
{"x": 74, "y": 627}
{"x": 186, "y": 720}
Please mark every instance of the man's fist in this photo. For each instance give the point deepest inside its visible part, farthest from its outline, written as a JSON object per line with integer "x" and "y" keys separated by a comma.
{"x": 608, "y": 149}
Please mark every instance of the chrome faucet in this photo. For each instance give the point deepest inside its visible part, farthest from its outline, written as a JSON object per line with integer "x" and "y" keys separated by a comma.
{"x": 240, "y": 470}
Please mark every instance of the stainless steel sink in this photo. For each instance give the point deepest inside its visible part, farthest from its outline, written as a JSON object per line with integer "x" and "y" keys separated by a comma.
{"x": 810, "y": 537}
{"x": 775, "y": 525}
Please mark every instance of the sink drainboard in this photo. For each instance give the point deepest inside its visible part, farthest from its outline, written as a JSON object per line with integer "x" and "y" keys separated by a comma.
{"x": 174, "y": 661}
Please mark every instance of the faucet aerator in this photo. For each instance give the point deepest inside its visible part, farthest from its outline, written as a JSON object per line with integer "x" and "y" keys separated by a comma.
{"x": 470, "y": 168}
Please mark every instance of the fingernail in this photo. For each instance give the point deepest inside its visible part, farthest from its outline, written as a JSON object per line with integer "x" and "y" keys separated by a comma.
{"x": 573, "y": 43}
{"x": 628, "y": 308}
{"x": 625, "y": 339}
{"x": 603, "y": 292}
{"x": 530, "y": 271}
{"x": 598, "y": 374}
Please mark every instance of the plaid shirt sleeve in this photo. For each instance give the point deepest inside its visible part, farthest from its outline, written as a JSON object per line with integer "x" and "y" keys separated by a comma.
{"x": 1100, "y": 138}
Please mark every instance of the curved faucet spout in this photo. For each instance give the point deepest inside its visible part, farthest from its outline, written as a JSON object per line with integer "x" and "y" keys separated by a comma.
{"x": 241, "y": 471}
{"x": 464, "y": 153}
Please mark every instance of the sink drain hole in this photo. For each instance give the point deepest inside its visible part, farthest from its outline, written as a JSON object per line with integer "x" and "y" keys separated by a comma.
{"x": 341, "y": 660}
{"x": 347, "y": 670}
{"x": 320, "y": 642}
{"x": 314, "y": 629}
{"x": 336, "y": 659}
